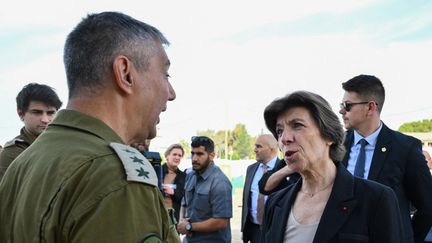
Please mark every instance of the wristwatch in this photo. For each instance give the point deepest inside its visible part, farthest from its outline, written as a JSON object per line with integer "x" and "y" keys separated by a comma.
{"x": 188, "y": 227}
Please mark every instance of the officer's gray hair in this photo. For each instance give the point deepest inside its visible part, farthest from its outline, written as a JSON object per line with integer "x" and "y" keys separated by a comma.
{"x": 94, "y": 43}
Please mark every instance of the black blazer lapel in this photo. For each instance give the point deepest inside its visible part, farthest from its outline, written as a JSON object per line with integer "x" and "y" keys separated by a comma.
{"x": 283, "y": 201}
{"x": 382, "y": 149}
{"x": 339, "y": 206}
{"x": 250, "y": 173}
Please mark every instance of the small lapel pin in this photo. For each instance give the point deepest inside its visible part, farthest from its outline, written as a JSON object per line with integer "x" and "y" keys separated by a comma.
{"x": 383, "y": 149}
{"x": 344, "y": 208}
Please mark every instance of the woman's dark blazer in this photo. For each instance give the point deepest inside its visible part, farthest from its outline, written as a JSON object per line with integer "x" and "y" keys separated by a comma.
{"x": 357, "y": 211}
{"x": 179, "y": 181}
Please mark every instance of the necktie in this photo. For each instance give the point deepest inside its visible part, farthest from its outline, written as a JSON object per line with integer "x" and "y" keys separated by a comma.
{"x": 260, "y": 208}
{"x": 360, "y": 164}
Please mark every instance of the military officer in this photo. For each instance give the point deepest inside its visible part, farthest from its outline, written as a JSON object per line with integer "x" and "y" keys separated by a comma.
{"x": 80, "y": 181}
{"x": 37, "y": 105}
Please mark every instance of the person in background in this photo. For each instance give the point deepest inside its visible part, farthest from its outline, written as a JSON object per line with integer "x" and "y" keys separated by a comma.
{"x": 328, "y": 204}
{"x": 37, "y": 105}
{"x": 80, "y": 181}
{"x": 173, "y": 179}
{"x": 375, "y": 152}
{"x": 428, "y": 159}
{"x": 142, "y": 146}
{"x": 207, "y": 204}
{"x": 266, "y": 149}
{"x": 276, "y": 179}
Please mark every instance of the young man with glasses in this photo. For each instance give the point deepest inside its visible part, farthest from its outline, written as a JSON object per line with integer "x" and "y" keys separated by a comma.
{"x": 375, "y": 152}
{"x": 207, "y": 204}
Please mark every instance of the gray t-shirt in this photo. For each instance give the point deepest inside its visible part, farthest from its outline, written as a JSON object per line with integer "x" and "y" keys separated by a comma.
{"x": 208, "y": 195}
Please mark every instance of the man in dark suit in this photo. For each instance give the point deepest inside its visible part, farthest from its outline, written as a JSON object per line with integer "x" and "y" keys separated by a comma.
{"x": 266, "y": 155}
{"x": 388, "y": 157}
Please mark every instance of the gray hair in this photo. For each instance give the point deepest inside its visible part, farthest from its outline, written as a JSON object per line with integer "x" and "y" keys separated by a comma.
{"x": 94, "y": 43}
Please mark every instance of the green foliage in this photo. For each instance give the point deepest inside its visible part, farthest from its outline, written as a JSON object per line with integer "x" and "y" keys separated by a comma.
{"x": 417, "y": 126}
{"x": 241, "y": 141}
{"x": 232, "y": 144}
{"x": 219, "y": 140}
{"x": 252, "y": 146}
{"x": 186, "y": 146}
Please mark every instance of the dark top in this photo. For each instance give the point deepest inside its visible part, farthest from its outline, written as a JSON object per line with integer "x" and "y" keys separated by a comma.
{"x": 179, "y": 181}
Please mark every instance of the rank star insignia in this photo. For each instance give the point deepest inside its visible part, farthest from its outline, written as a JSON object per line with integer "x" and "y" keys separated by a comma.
{"x": 128, "y": 151}
{"x": 137, "y": 160}
{"x": 143, "y": 173}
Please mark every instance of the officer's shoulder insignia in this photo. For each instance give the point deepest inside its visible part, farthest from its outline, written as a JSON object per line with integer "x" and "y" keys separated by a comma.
{"x": 137, "y": 167}
{"x": 151, "y": 238}
{"x": 13, "y": 142}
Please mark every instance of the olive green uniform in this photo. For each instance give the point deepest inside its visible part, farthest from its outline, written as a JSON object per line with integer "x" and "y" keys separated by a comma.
{"x": 79, "y": 183}
{"x": 14, "y": 148}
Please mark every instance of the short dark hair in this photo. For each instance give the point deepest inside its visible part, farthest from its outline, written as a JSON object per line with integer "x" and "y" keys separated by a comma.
{"x": 173, "y": 146}
{"x": 368, "y": 87}
{"x": 204, "y": 141}
{"x": 321, "y": 112}
{"x": 37, "y": 92}
{"x": 94, "y": 43}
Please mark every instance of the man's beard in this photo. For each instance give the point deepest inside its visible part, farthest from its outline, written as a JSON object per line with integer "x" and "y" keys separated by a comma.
{"x": 205, "y": 165}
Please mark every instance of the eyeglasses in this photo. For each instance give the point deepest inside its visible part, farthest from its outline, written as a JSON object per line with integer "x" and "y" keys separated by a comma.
{"x": 347, "y": 106}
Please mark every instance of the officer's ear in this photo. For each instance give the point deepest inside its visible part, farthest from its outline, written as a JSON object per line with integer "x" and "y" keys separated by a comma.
{"x": 123, "y": 70}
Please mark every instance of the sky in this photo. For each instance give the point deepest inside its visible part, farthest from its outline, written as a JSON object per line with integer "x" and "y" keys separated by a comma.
{"x": 230, "y": 59}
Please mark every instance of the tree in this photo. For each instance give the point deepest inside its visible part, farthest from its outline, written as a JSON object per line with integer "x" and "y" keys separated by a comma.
{"x": 219, "y": 140}
{"x": 241, "y": 141}
{"x": 186, "y": 147}
{"x": 235, "y": 144}
{"x": 417, "y": 126}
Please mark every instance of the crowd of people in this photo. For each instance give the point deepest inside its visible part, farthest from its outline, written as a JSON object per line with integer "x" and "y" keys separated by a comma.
{"x": 83, "y": 174}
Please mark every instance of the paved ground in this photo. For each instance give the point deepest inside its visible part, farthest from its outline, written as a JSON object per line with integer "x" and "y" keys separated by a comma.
{"x": 236, "y": 220}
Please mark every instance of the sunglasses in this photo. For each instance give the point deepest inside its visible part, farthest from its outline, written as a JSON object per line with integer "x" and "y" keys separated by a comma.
{"x": 200, "y": 139}
{"x": 347, "y": 106}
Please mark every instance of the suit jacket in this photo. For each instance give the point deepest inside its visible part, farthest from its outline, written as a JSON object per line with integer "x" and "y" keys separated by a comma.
{"x": 250, "y": 173}
{"x": 398, "y": 162}
{"x": 358, "y": 210}
{"x": 283, "y": 184}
